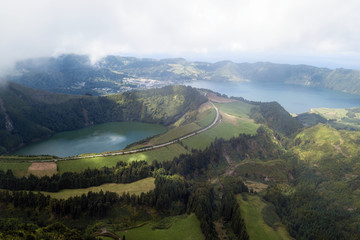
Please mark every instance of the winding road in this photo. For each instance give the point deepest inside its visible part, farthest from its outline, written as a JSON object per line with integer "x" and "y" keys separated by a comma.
{"x": 147, "y": 148}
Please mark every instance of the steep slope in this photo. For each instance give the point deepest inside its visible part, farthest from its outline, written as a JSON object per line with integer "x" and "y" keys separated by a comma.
{"x": 276, "y": 118}
{"x": 28, "y": 114}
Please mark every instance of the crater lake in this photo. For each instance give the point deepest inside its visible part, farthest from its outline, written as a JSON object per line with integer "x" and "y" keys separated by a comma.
{"x": 93, "y": 139}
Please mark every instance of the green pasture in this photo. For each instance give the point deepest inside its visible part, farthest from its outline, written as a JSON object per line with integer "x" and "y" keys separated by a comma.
{"x": 143, "y": 185}
{"x": 161, "y": 154}
{"x": 205, "y": 118}
{"x": 321, "y": 141}
{"x": 174, "y": 133}
{"x": 330, "y": 113}
{"x": 19, "y": 169}
{"x": 340, "y": 118}
{"x": 223, "y": 130}
{"x": 237, "y": 108}
{"x": 258, "y": 216}
{"x": 276, "y": 170}
{"x": 183, "y": 227}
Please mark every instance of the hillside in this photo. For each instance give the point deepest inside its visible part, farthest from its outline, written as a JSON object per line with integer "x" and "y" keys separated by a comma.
{"x": 75, "y": 74}
{"x": 27, "y": 114}
{"x": 257, "y": 174}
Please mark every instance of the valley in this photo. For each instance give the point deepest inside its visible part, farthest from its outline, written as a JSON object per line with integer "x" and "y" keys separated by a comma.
{"x": 179, "y": 120}
{"x": 227, "y": 166}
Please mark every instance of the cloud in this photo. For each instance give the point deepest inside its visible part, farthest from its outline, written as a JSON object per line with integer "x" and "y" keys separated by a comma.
{"x": 188, "y": 28}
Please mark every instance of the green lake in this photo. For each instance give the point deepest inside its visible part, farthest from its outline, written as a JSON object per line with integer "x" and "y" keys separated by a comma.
{"x": 93, "y": 139}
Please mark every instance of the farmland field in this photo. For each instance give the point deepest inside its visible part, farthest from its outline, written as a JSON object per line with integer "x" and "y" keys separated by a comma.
{"x": 42, "y": 169}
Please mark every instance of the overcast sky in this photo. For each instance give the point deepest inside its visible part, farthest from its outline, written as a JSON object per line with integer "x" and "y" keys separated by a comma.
{"x": 318, "y": 32}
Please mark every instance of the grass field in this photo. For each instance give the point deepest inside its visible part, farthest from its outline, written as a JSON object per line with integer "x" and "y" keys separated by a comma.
{"x": 275, "y": 170}
{"x": 174, "y": 133}
{"x": 315, "y": 143}
{"x": 223, "y": 130}
{"x": 183, "y": 227}
{"x": 340, "y": 118}
{"x": 330, "y": 113}
{"x": 162, "y": 154}
{"x": 19, "y": 169}
{"x": 237, "y": 109}
{"x": 143, "y": 185}
{"x": 252, "y": 210}
{"x": 205, "y": 118}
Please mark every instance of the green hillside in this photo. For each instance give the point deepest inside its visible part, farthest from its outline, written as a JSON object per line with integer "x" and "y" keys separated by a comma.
{"x": 27, "y": 114}
{"x": 256, "y": 174}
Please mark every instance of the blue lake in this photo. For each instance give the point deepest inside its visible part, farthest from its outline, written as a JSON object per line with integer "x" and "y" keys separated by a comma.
{"x": 295, "y": 99}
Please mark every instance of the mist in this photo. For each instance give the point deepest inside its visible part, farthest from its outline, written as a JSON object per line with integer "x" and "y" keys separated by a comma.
{"x": 321, "y": 33}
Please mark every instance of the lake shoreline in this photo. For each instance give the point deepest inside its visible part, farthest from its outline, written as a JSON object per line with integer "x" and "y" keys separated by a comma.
{"x": 112, "y": 136}
{"x": 294, "y": 98}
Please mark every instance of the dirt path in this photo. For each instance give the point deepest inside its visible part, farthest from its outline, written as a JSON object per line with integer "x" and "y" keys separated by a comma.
{"x": 220, "y": 229}
{"x": 232, "y": 165}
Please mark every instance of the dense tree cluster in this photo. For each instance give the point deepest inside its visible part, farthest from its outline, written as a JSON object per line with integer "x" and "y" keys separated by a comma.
{"x": 94, "y": 204}
{"x": 15, "y": 229}
{"x": 201, "y": 202}
{"x": 121, "y": 173}
{"x": 276, "y": 118}
{"x": 231, "y": 213}
{"x": 309, "y": 216}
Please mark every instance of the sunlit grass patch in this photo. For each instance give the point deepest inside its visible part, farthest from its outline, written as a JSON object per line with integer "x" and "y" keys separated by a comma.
{"x": 19, "y": 169}
{"x": 171, "y": 228}
{"x": 237, "y": 108}
{"x": 223, "y": 130}
{"x": 160, "y": 154}
{"x": 252, "y": 210}
{"x": 143, "y": 185}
